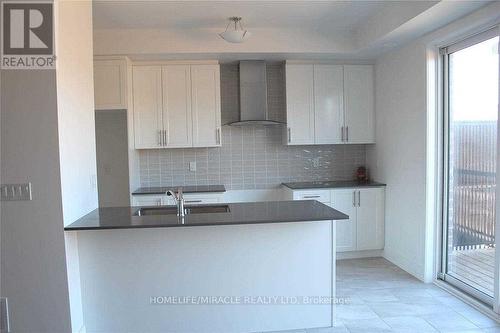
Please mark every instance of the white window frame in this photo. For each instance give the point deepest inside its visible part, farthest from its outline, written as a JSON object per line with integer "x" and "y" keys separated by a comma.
{"x": 443, "y": 173}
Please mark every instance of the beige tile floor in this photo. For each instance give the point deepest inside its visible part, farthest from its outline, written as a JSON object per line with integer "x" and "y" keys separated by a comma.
{"x": 384, "y": 298}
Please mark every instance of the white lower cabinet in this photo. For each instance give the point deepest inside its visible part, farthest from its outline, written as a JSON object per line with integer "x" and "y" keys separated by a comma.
{"x": 203, "y": 198}
{"x": 365, "y": 228}
{"x": 342, "y": 200}
{"x": 318, "y": 195}
{"x": 370, "y": 219}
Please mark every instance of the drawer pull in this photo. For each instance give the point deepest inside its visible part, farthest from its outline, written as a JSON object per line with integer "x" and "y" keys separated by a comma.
{"x": 193, "y": 201}
{"x": 311, "y": 196}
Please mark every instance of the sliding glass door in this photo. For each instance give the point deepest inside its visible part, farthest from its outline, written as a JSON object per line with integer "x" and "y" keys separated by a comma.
{"x": 470, "y": 155}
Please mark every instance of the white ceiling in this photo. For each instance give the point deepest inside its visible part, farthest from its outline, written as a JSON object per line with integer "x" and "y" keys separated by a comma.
{"x": 310, "y": 15}
{"x": 291, "y": 29}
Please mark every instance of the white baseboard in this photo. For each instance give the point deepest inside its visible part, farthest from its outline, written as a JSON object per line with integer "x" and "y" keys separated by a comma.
{"x": 359, "y": 254}
{"x": 403, "y": 264}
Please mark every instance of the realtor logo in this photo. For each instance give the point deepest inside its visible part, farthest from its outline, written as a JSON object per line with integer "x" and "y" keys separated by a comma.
{"x": 27, "y": 35}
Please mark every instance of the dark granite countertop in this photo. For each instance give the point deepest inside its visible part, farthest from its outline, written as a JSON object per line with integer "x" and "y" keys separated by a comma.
{"x": 331, "y": 184}
{"x": 185, "y": 189}
{"x": 239, "y": 213}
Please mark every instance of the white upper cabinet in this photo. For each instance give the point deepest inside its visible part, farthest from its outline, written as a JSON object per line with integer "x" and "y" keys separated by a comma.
{"x": 359, "y": 104}
{"x": 177, "y": 117}
{"x": 147, "y": 94}
{"x": 176, "y": 105}
{"x": 300, "y": 104}
{"x": 328, "y": 104}
{"x": 205, "y": 101}
{"x": 110, "y": 84}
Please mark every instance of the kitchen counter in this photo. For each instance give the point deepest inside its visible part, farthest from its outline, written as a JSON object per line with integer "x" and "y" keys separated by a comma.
{"x": 239, "y": 213}
{"x": 331, "y": 184}
{"x": 185, "y": 189}
{"x": 176, "y": 279}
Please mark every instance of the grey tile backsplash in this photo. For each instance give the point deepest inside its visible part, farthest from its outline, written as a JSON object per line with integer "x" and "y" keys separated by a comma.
{"x": 250, "y": 157}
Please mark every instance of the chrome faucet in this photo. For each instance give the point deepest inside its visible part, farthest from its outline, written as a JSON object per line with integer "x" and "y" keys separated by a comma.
{"x": 179, "y": 201}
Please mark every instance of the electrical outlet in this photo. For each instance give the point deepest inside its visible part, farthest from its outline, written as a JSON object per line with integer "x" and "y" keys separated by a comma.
{"x": 315, "y": 162}
{"x": 15, "y": 192}
{"x": 192, "y": 166}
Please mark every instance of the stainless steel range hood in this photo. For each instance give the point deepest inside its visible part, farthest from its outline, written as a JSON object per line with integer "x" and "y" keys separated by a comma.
{"x": 253, "y": 95}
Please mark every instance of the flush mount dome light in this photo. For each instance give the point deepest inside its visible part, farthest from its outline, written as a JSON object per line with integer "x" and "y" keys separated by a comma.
{"x": 238, "y": 35}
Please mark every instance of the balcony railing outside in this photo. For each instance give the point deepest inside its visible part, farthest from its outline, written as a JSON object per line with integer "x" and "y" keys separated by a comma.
{"x": 471, "y": 215}
{"x": 472, "y": 184}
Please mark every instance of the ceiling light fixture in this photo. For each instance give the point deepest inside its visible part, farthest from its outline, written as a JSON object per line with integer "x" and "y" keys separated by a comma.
{"x": 238, "y": 35}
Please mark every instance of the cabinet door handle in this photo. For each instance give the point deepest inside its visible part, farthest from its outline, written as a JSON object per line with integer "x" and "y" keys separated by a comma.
{"x": 359, "y": 198}
{"x": 217, "y": 135}
{"x": 354, "y": 198}
{"x": 289, "y": 134}
{"x": 164, "y": 137}
{"x": 342, "y": 133}
{"x": 159, "y": 138}
{"x": 347, "y": 133}
{"x": 193, "y": 201}
{"x": 311, "y": 196}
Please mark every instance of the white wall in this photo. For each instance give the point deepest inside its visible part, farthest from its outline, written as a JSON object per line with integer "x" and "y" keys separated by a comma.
{"x": 400, "y": 153}
{"x": 76, "y": 126}
{"x": 75, "y": 103}
{"x": 400, "y": 156}
{"x": 32, "y": 242}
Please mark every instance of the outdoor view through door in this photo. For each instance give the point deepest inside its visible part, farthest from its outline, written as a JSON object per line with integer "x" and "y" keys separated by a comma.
{"x": 471, "y": 113}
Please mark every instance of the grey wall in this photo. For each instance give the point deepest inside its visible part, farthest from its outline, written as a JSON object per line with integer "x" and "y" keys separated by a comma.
{"x": 112, "y": 158}
{"x": 32, "y": 241}
{"x": 250, "y": 157}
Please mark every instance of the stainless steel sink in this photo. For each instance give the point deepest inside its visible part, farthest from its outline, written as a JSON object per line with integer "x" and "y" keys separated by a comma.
{"x": 147, "y": 211}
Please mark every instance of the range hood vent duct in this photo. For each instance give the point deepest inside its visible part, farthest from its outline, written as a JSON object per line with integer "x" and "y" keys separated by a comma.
{"x": 253, "y": 95}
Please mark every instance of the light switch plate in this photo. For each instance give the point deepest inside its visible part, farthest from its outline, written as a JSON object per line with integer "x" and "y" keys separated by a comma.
{"x": 192, "y": 166}
{"x": 15, "y": 192}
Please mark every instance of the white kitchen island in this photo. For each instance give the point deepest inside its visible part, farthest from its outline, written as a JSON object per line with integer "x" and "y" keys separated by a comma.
{"x": 245, "y": 277}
